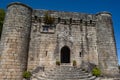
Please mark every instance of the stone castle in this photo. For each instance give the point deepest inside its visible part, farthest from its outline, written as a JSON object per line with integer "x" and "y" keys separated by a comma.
{"x": 28, "y": 43}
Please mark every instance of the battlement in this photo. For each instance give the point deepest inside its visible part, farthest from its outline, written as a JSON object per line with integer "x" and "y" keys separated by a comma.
{"x": 65, "y": 15}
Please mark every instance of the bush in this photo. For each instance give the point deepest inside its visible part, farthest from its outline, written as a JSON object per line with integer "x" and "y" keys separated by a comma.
{"x": 58, "y": 63}
{"x": 27, "y": 74}
{"x": 96, "y": 72}
{"x": 74, "y": 63}
{"x": 48, "y": 19}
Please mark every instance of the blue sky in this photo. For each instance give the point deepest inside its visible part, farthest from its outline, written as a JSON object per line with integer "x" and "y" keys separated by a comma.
{"x": 85, "y": 6}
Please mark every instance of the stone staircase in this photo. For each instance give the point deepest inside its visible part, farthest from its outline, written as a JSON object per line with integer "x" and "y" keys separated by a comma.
{"x": 64, "y": 73}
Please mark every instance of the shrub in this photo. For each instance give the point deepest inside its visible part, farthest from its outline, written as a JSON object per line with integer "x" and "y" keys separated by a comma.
{"x": 58, "y": 63}
{"x": 48, "y": 19}
{"x": 27, "y": 74}
{"x": 74, "y": 63}
{"x": 96, "y": 72}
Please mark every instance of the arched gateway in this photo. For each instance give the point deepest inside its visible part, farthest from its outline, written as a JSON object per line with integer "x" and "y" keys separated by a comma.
{"x": 65, "y": 54}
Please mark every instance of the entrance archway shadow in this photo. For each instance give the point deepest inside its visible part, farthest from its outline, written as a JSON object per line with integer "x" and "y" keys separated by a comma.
{"x": 65, "y": 54}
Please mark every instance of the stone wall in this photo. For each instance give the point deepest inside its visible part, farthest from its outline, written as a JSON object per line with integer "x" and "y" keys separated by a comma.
{"x": 15, "y": 41}
{"x": 85, "y": 34}
{"x": 79, "y": 35}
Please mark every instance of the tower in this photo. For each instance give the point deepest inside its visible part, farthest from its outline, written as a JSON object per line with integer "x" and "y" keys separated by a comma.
{"x": 15, "y": 41}
{"x": 106, "y": 46}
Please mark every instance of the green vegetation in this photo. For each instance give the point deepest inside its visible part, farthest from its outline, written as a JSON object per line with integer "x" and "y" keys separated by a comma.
{"x": 27, "y": 74}
{"x": 58, "y": 63}
{"x": 74, "y": 63}
{"x": 2, "y": 15}
{"x": 96, "y": 72}
{"x": 48, "y": 19}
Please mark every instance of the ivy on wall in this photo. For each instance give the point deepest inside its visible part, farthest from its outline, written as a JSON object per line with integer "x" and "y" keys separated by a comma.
{"x": 2, "y": 15}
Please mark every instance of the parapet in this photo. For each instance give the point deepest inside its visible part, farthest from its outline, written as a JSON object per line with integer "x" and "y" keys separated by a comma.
{"x": 65, "y": 15}
{"x": 18, "y": 3}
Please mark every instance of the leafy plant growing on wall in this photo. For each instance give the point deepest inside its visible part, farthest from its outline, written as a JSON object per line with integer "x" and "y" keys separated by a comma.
{"x": 27, "y": 74}
{"x": 2, "y": 15}
{"x": 74, "y": 63}
{"x": 96, "y": 72}
{"x": 49, "y": 20}
{"x": 58, "y": 63}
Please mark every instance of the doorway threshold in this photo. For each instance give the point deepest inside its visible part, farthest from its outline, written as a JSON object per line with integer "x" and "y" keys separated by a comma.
{"x": 65, "y": 64}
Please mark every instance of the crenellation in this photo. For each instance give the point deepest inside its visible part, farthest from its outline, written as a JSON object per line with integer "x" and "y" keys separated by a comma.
{"x": 65, "y": 15}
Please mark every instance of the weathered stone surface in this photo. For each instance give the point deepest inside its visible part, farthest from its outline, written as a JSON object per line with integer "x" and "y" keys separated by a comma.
{"x": 106, "y": 46}
{"x": 14, "y": 41}
{"x": 28, "y": 43}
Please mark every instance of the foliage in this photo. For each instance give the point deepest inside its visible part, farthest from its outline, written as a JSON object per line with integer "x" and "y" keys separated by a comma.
{"x": 74, "y": 63}
{"x": 96, "y": 72}
{"x": 58, "y": 63}
{"x": 48, "y": 19}
{"x": 2, "y": 15}
{"x": 27, "y": 74}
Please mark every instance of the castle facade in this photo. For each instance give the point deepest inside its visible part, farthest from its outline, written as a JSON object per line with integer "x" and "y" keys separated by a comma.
{"x": 28, "y": 42}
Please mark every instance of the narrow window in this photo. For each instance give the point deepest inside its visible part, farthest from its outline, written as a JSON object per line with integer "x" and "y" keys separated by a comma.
{"x": 46, "y": 53}
{"x": 59, "y": 19}
{"x": 90, "y": 21}
{"x": 35, "y": 17}
{"x": 80, "y": 54}
{"x": 70, "y": 20}
{"x": 81, "y": 21}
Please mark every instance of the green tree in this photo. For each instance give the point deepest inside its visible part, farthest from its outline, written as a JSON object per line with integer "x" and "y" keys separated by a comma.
{"x": 2, "y": 15}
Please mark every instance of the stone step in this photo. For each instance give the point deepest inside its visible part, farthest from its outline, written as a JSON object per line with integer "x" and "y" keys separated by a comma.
{"x": 80, "y": 74}
{"x": 69, "y": 75}
{"x": 65, "y": 73}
